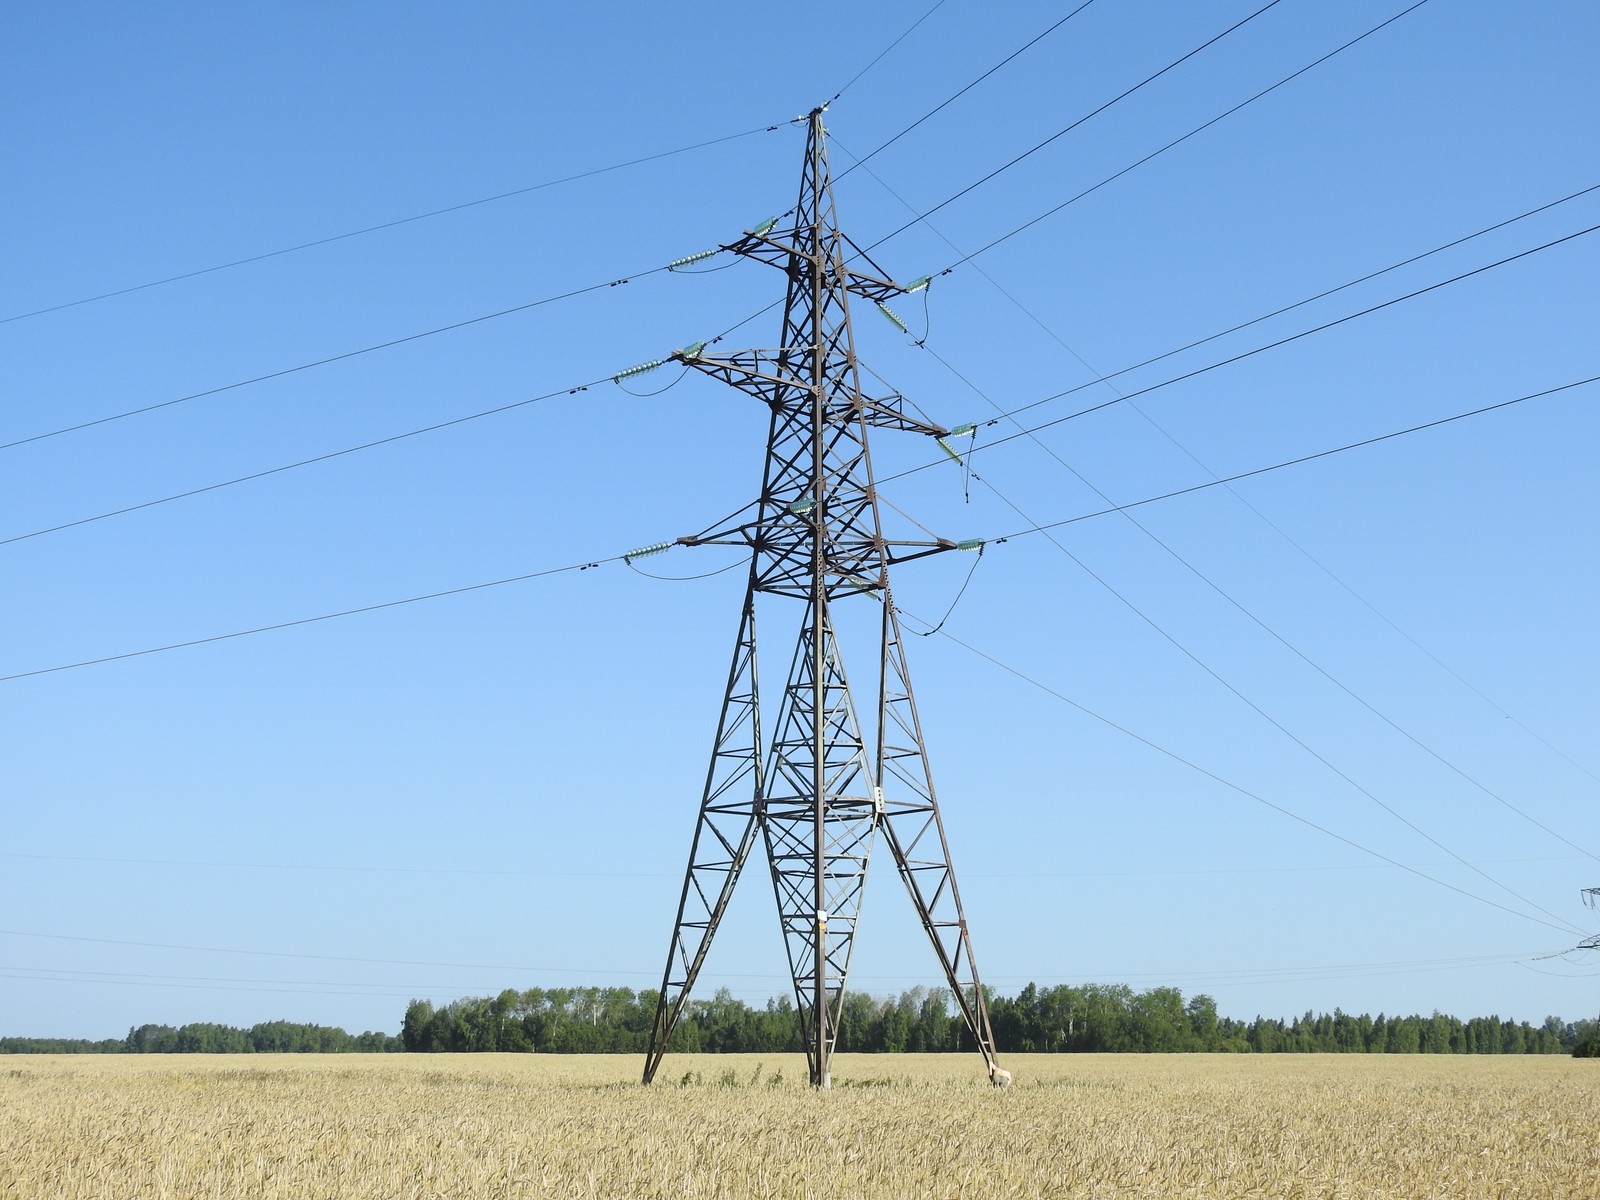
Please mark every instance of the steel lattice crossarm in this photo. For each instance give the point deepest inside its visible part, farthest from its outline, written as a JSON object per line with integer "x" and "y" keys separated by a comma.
{"x": 781, "y": 250}
{"x": 770, "y": 376}
{"x": 818, "y": 482}
{"x": 736, "y": 531}
{"x": 820, "y": 791}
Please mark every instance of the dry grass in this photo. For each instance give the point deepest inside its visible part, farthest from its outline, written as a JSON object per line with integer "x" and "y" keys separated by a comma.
{"x": 1083, "y": 1126}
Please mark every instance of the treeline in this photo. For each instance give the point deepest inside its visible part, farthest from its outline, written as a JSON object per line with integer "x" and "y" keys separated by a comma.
{"x": 1092, "y": 1018}
{"x": 268, "y": 1037}
{"x": 1113, "y": 1018}
{"x": 1109, "y": 1018}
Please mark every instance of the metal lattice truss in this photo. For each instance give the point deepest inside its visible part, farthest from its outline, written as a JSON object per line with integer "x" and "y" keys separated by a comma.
{"x": 818, "y": 794}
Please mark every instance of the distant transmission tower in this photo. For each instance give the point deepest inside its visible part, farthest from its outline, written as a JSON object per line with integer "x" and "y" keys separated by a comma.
{"x": 817, "y": 793}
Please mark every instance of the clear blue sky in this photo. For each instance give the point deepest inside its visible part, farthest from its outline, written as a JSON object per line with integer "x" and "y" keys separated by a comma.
{"x": 497, "y": 788}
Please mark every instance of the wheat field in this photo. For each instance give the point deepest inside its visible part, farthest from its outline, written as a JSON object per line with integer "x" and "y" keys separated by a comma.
{"x": 425, "y": 1126}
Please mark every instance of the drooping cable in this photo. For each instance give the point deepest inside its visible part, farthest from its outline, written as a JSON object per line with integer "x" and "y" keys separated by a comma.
{"x": 1295, "y": 462}
{"x": 1273, "y": 345}
{"x": 355, "y": 233}
{"x": 1287, "y": 308}
{"x": 952, "y": 99}
{"x": 1244, "y": 610}
{"x": 348, "y": 612}
{"x": 306, "y": 462}
{"x": 100, "y": 860}
{"x": 584, "y": 566}
{"x": 1060, "y": 133}
{"x": 960, "y": 592}
{"x": 323, "y": 362}
{"x": 882, "y": 54}
{"x": 1322, "y": 295}
{"x": 1240, "y": 789}
{"x": 1251, "y": 704}
{"x": 984, "y": 249}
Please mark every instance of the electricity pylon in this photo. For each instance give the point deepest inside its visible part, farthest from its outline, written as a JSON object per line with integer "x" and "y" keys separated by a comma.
{"x": 818, "y": 794}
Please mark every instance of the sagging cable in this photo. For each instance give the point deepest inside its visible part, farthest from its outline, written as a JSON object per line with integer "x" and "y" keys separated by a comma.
{"x": 970, "y": 544}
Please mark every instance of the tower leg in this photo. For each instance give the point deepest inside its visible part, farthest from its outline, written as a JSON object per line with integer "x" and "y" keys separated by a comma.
{"x": 915, "y": 834}
{"x": 723, "y": 835}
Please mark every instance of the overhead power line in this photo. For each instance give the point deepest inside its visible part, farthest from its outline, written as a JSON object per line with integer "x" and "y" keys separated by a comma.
{"x": 938, "y": 108}
{"x": 854, "y": 79}
{"x": 304, "y": 462}
{"x": 1124, "y": 511}
{"x": 616, "y": 558}
{"x": 334, "y": 358}
{"x": 922, "y": 217}
{"x": 415, "y": 217}
{"x": 461, "y": 207}
{"x": 1323, "y": 295}
{"x": 1283, "y": 641}
{"x": 1284, "y": 341}
{"x": 333, "y": 616}
{"x": 578, "y": 387}
{"x": 1241, "y": 790}
{"x": 343, "y": 958}
{"x": 642, "y": 274}
{"x": 78, "y": 979}
{"x": 1039, "y": 528}
{"x": 1252, "y": 352}
{"x": 1061, "y": 133}
{"x": 1266, "y": 716}
{"x": 315, "y": 986}
{"x": 1252, "y": 508}
{"x": 984, "y": 249}
{"x": 99, "y": 860}
{"x": 1306, "y": 458}
{"x": 336, "y": 868}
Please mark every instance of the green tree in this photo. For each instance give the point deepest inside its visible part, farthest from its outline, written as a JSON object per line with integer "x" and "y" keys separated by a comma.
{"x": 1202, "y": 1013}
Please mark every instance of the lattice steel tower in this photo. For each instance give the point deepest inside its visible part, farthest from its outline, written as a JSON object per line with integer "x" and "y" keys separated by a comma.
{"x": 817, "y": 794}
